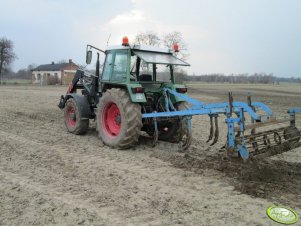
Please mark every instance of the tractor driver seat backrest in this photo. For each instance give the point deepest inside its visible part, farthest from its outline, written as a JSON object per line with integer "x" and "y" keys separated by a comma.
{"x": 145, "y": 77}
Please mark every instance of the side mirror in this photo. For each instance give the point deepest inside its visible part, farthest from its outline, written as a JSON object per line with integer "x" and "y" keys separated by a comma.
{"x": 88, "y": 57}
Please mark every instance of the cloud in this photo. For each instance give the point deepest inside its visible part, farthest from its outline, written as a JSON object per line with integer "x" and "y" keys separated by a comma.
{"x": 140, "y": 18}
{"x": 134, "y": 16}
{"x": 221, "y": 36}
{"x": 126, "y": 23}
{"x": 129, "y": 24}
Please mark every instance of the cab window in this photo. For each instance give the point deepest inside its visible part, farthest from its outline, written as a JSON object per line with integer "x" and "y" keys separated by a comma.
{"x": 120, "y": 66}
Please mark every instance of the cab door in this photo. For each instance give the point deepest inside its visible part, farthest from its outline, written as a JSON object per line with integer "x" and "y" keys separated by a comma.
{"x": 107, "y": 70}
{"x": 115, "y": 69}
{"x": 120, "y": 67}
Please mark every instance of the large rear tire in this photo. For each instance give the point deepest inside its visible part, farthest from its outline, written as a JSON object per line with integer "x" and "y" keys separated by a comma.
{"x": 172, "y": 131}
{"x": 73, "y": 122}
{"x": 119, "y": 121}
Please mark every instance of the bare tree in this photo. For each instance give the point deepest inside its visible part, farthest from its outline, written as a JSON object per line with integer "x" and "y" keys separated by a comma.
{"x": 30, "y": 67}
{"x": 147, "y": 38}
{"x": 7, "y": 54}
{"x": 176, "y": 38}
{"x": 62, "y": 61}
{"x": 151, "y": 38}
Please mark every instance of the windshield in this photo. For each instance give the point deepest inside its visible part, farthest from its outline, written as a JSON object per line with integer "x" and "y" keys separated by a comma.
{"x": 154, "y": 66}
{"x": 162, "y": 72}
{"x": 159, "y": 58}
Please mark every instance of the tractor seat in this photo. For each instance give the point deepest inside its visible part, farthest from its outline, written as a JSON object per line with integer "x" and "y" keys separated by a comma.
{"x": 145, "y": 77}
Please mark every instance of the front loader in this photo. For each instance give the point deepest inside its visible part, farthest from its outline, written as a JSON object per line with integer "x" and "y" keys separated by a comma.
{"x": 136, "y": 92}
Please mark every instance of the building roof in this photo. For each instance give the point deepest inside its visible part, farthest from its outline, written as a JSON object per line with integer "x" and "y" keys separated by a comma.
{"x": 53, "y": 66}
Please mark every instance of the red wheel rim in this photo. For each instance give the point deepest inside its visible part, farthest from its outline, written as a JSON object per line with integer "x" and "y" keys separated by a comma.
{"x": 111, "y": 122}
{"x": 71, "y": 117}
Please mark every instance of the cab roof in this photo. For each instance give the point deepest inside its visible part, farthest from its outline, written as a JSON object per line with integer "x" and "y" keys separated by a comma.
{"x": 152, "y": 54}
{"x": 140, "y": 47}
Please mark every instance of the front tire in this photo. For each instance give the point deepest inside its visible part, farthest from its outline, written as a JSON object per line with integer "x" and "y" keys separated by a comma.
{"x": 119, "y": 121}
{"x": 73, "y": 122}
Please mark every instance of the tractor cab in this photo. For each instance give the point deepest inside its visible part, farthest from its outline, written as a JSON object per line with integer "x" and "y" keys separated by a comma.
{"x": 144, "y": 65}
{"x": 142, "y": 70}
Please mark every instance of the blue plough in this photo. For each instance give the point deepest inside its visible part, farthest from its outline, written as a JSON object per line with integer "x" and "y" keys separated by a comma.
{"x": 238, "y": 143}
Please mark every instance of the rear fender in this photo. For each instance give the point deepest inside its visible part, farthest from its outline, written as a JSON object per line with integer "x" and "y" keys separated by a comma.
{"x": 136, "y": 97}
{"x": 175, "y": 99}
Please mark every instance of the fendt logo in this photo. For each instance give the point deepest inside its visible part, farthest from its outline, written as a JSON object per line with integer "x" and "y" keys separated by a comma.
{"x": 283, "y": 215}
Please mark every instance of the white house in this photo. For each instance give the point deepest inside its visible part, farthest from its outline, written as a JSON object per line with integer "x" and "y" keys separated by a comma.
{"x": 51, "y": 74}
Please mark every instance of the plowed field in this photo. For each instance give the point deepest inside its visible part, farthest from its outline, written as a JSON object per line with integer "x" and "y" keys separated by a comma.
{"x": 51, "y": 177}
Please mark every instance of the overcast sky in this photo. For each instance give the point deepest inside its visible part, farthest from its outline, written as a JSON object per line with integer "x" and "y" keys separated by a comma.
{"x": 223, "y": 36}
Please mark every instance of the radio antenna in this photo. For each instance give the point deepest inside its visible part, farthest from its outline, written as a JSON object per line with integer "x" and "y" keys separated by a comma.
{"x": 108, "y": 40}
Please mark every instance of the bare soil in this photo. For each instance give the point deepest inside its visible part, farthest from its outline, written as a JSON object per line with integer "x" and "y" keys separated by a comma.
{"x": 51, "y": 177}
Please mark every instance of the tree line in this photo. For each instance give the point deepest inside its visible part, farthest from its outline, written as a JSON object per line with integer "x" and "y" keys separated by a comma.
{"x": 23, "y": 74}
{"x": 262, "y": 78}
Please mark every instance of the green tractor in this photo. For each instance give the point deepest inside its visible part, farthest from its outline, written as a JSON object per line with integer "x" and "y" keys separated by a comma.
{"x": 131, "y": 84}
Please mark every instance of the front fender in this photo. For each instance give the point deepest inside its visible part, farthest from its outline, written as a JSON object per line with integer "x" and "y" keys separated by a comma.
{"x": 82, "y": 105}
